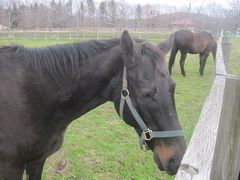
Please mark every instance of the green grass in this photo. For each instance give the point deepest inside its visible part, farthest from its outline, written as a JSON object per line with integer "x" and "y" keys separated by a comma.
{"x": 234, "y": 62}
{"x": 99, "y": 145}
{"x": 191, "y": 91}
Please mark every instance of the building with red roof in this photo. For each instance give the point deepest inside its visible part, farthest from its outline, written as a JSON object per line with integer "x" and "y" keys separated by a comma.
{"x": 183, "y": 24}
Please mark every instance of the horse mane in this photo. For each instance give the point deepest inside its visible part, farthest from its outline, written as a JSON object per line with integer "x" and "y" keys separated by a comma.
{"x": 60, "y": 58}
{"x": 152, "y": 51}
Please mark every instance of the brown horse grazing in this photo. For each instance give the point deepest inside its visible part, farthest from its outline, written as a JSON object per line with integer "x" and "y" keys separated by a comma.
{"x": 42, "y": 90}
{"x": 201, "y": 43}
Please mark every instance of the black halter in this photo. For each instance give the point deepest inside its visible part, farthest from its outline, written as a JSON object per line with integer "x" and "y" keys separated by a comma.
{"x": 147, "y": 133}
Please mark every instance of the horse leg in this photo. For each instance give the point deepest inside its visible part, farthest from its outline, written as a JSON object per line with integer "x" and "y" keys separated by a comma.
{"x": 200, "y": 62}
{"x": 34, "y": 170}
{"x": 10, "y": 171}
{"x": 203, "y": 59}
{"x": 172, "y": 58}
{"x": 182, "y": 62}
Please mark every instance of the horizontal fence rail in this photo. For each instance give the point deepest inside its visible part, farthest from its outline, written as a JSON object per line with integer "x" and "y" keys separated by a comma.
{"x": 82, "y": 35}
{"x": 214, "y": 149}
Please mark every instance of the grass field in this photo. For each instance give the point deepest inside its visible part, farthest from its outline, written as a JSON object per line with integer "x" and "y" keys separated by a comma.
{"x": 234, "y": 62}
{"x": 100, "y": 146}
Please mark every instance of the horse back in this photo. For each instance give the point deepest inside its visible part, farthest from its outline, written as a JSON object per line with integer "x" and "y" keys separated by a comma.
{"x": 204, "y": 41}
{"x": 193, "y": 43}
{"x": 183, "y": 40}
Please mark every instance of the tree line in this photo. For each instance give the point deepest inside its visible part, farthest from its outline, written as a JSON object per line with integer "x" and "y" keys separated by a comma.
{"x": 16, "y": 14}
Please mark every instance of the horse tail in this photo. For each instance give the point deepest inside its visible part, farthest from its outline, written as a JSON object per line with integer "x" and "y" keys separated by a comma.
{"x": 166, "y": 45}
{"x": 172, "y": 56}
{"x": 171, "y": 40}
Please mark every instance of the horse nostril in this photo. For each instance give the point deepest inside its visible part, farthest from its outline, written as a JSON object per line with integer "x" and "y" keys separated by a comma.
{"x": 173, "y": 165}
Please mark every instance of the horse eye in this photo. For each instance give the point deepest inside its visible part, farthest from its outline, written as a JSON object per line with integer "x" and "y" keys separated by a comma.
{"x": 150, "y": 94}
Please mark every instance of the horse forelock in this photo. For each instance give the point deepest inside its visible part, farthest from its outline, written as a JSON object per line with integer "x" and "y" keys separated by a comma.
{"x": 157, "y": 57}
{"x": 152, "y": 51}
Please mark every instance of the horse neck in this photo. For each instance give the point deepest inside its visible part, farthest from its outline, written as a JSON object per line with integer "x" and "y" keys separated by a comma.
{"x": 91, "y": 87}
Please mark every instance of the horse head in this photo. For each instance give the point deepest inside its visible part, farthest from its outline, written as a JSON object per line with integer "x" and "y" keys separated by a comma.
{"x": 145, "y": 100}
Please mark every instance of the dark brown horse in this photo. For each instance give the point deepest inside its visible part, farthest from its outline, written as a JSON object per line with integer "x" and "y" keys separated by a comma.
{"x": 201, "y": 43}
{"x": 42, "y": 90}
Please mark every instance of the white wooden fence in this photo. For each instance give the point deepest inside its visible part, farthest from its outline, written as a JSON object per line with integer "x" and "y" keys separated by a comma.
{"x": 75, "y": 35}
{"x": 213, "y": 152}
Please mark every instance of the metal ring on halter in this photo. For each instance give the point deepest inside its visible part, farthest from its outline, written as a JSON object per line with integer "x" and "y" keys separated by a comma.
{"x": 147, "y": 135}
{"x": 124, "y": 93}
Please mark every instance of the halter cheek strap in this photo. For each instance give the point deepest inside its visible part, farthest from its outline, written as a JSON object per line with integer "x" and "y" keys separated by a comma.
{"x": 147, "y": 133}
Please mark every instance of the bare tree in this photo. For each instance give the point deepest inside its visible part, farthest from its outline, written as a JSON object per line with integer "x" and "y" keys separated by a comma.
{"x": 68, "y": 11}
{"x": 123, "y": 9}
{"x": 68, "y": 8}
{"x": 215, "y": 10}
{"x": 235, "y": 5}
{"x": 112, "y": 12}
{"x": 148, "y": 13}
{"x": 2, "y": 12}
{"x": 138, "y": 14}
{"x": 103, "y": 12}
{"x": 14, "y": 16}
{"x": 189, "y": 5}
{"x": 60, "y": 14}
{"x": 200, "y": 8}
{"x": 218, "y": 13}
{"x": 91, "y": 11}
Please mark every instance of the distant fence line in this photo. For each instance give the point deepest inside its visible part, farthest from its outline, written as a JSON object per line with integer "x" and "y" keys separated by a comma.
{"x": 77, "y": 35}
{"x": 213, "y": 151}
{"x": 55, "y": 35}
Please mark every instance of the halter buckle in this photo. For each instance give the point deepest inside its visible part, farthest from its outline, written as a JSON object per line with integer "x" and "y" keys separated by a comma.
{"x": 124, "y": 93}
{"x": 147, "y": 135}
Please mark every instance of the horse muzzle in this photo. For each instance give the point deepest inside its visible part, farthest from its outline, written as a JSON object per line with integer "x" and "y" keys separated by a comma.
{"x": 168, "y": 157}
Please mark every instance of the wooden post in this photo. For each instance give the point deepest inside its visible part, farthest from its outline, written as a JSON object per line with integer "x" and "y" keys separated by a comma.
{"x": 226, "y": 47}
{"x": 213, "y": 151}
{"x": 226, "y": 160}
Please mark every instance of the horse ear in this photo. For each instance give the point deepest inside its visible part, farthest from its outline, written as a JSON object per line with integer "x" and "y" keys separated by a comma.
{"x": 127, "y": 46}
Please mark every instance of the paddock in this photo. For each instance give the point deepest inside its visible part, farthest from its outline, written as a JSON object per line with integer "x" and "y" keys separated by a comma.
{"x": 82, "y": 158}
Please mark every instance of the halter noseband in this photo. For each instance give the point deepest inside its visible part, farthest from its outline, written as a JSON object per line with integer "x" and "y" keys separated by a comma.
{"x": 147, "y": 133}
